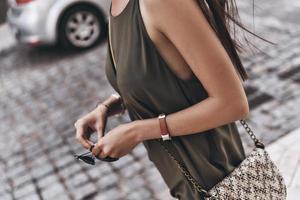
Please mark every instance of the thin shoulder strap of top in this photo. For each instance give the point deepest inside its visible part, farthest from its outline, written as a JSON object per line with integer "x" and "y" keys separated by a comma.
{"x": 110, "y": 44}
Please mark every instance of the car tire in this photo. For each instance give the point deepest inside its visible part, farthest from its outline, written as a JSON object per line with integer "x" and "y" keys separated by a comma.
{"x": 81, "y": 27}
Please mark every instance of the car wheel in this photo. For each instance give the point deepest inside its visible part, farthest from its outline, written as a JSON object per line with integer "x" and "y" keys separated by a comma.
{"x": 81, "y": 27}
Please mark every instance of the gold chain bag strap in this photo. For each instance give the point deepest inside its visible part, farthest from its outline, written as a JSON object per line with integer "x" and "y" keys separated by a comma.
{"x": 256, "y": 177}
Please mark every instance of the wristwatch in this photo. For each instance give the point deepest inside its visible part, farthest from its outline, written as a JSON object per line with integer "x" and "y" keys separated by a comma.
{"x": 165, "y": 134}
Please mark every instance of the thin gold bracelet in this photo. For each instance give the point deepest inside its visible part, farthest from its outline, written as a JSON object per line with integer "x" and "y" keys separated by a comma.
{"x": 117, "y": 96}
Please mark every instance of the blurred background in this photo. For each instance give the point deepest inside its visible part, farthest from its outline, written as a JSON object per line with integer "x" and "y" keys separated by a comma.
{"x": 45, "y": 87}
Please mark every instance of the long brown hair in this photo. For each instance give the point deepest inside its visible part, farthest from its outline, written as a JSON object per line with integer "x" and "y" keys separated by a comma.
{"x": 223, "y": 16}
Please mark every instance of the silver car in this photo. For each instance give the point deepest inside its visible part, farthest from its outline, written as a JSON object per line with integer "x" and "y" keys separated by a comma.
{"x": 77, "y": 24}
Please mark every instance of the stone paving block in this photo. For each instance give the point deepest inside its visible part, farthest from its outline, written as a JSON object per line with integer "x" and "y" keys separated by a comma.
{"x": 76, "y": 180}
{"x": 47, "y": 181}
{"x": 70, "y": 171}
{"x": 97, "y": 172}
{"x": 110, "y": 194}
{"x": 139, "y": 151}
{"x": 3, "y": 185}
{"x": 131, "y": 170}
{"x": 64, "y": 161}
{"x": 21, "y": 180}
{"x": 140, "y": 193}
{"x": 40, "y": 171}
{"x": 18, "y": 170}
{"x": 52, "y": 190}
{"x": 146, "y": 162}
{"x": 30, "y": 197}
{"x": 85, "y": 191}
{"x": 105, "y": 167}
{"x": 155, "y": 180}
{"x": 133, "y": 184}
{"x": 59, "y": 152}
{"x": 33, "y": 150}
{"x": 6, "y": 197}
{"x": 62, "y": 196}
{"x": 48, "y": 135}
{"x": 15, "y": 160}
{"x": 74, "y": 146}
{"x": 107, "y": 181}
{"x": 25, "y": 190}
{"x": 123, "y": 161}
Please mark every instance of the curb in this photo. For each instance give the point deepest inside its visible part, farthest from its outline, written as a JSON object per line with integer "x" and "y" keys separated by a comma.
{"x": 285, "y": 152}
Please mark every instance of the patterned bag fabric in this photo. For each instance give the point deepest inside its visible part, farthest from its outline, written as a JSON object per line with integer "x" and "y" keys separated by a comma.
{"x": 256, "y": 178}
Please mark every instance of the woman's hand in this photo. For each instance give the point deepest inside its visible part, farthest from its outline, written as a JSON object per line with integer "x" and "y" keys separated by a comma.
{"x": 95, "y": 121}
{"x": 118, "y": 141}
{"x": 91, "y": 122}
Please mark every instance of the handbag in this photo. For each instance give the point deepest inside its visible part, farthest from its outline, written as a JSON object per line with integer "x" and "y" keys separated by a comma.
{"x": 256, "y": 177}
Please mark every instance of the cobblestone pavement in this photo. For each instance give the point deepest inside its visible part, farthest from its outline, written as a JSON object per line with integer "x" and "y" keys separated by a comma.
{"x": 44, "y": 90}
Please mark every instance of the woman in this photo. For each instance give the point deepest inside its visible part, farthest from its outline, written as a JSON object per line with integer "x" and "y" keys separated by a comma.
{"x": 170, "y": 60}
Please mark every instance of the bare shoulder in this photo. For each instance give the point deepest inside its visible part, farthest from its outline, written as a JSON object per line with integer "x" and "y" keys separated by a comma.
{"x": 158, "y": 5}
{"x": 178, "y": 9}
{"x": 184, "y": 24}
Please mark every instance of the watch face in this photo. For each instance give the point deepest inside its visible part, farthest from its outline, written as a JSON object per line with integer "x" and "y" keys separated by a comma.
{"x": 166, "y": 137}
{"x": 161, "y": 116}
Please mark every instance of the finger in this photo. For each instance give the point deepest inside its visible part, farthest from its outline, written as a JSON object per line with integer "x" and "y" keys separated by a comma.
{"x": 99, "y": 130}
{"x": 97, "y": 149}
{"x": 103, "y": 154}
{"x": 100, "y": 125}
{"x": 79, "y": 136}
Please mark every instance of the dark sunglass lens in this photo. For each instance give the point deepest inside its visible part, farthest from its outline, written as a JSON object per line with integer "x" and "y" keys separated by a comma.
{"x": 88, "y": 159}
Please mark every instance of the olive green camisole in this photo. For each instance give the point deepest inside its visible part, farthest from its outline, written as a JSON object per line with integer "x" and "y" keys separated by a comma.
{"x": 149, "y": 87}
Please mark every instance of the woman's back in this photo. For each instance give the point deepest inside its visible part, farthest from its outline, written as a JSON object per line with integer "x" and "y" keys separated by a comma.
{"x": 149, "y": 87}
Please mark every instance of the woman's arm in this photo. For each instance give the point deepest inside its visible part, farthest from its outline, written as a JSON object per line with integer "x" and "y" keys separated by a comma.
{"x": 184, "y": 24}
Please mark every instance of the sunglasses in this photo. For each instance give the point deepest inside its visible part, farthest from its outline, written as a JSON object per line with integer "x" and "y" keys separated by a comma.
{"x": 90, "y": 159}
